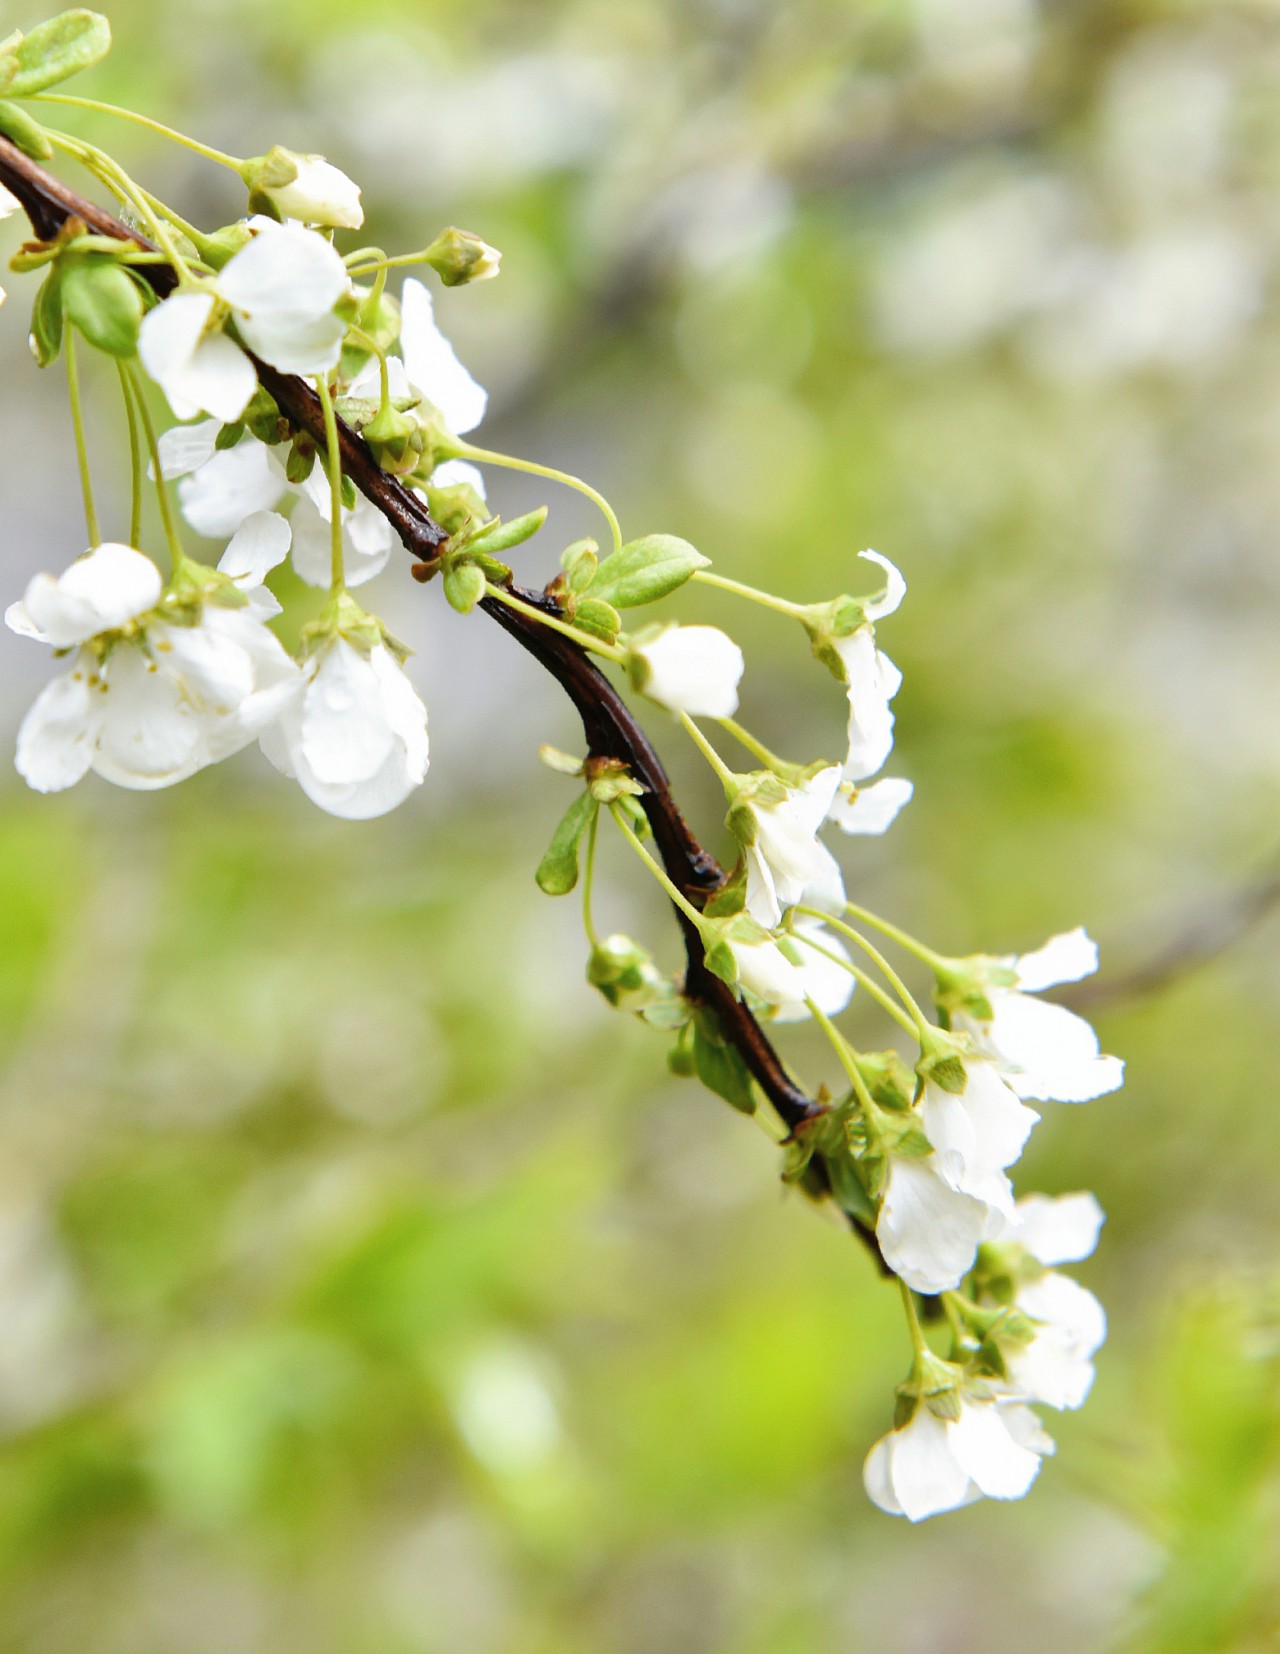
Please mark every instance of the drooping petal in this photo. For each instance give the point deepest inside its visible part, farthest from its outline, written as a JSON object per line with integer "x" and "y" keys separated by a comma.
{"x": 433, "y": 366}
{"x": 106, "y": 588}
{"x": 151, "y": 735}
{"x": 231, "y": 486}
{"x": 1064, "y": 958}
{"x": 1056, "y": 1368}
{"x": 895, "y": 589}
{"x": 988, "y": 1453}
{"x": 928, "y": 1233}
{"x": 927, "y": 1477}
{"x": 199, "y": 372}
{"x": 345, "y": 735}
{"x": 1045, "y": 1051}
{"x": 871, "y": 809}
{"x": 872, "y": 680}
{"x": 1056, "y": 1229}
{"x": 312, "y": 551}
{"x": 693, "y": 669}
{"x": 56, "y": 738}
{"x": 185, "y": 448}
{"x": 766, "y": 972}
{"x": 260, "y": 544}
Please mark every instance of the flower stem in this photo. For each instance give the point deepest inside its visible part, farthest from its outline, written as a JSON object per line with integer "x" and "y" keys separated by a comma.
{"x": 583, "y": 639}
{"x": 921, "y": 1022}
{"x": 757, "y": 749}
{"x": 918, "y": 1341}
{"x": 884, "y": 1000}
{"x": 844, "y": 1052}
{"x": 588, "y": 873}
{"x": 209, "y": 153}
{"x": 723, "y": 772}
{"x": 118, "y": 181}
{"x": 485, "y": 456}
{"x": 333, "y": 460}
{"x": 678, "y": 897}
{"x": 82, "y": 452}
{"x": 176, "y": 553}
{"x": 751, "y": 593}
{"x": 135, "y": 458}
{"x": 927, "y": 955}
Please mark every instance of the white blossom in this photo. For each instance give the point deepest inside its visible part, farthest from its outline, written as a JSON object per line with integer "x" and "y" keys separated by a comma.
{"x": 199, "y": 369}
{"x": 367, "y": 536}
{"x": 872, "y": 680}
{"x": 148, "y": 707}
{"x": 693, "y": 669}
{"x": 932, "y": 1465}
{"x": 765, "y": 971}
{"x": 1056, "y": 1367}
{"x": 786, "y": 863}
{"x": 1054, "y": 1228}
{"x": 1044, "y": 1051}
{"x": 355, "y": 732}
{"x": 320, "y": 194}
{"x": 869, "y": 810}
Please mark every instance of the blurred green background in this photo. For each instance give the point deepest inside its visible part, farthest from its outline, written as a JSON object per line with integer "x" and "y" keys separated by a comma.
{"x": 365, "y": 1285}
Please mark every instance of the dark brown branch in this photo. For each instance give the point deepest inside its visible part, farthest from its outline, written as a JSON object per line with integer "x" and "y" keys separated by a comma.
{"x": 611, "y": 730}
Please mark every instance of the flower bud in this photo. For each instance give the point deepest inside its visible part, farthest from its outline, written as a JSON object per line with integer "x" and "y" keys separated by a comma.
{"x": 457, "y": 256}
{"x": 285, "y": 184}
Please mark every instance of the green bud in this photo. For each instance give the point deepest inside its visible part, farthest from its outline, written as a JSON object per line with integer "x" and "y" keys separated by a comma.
{"x": 46, "y": 319}
{"x": 610, "y": 780}
{"x": 626, "y": 975}
{"x": 395, "y": 438}
{"x": 52, "y": 52}
{"x": 103, "y": 300}
{"x": 24, "y": 133}
{"x": 458, "y": 256}
{"x": 499, "y": 536}
{"x": 645, "y": 570}
{"x": 456, "y": 508}
{"x": 564, "y": 763}
{"x": 558, "y": 870}
{"x": 464, "y": 586}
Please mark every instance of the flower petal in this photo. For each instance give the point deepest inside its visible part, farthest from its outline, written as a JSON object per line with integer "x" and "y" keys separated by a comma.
{"x": 108, "y": 587}
{"x": 895, "y": 589}
{"x": 231, "y": 486}
{"x": 1064, "y": 958}
{"x": 986, "y": 1450}
{"x": 928, "y": 1233}
{"x": 433, "y": 366}
{"x": 260, "y": 544}
{"x": 871, "y": 809}
{"x": 56, "y": 738}
{"x": 198, "y": 372}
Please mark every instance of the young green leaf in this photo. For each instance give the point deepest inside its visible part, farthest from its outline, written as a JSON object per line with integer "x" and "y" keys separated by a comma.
{"x": 46, "y": 319}
{"x": 558, "y": 870}
{"x": 53, "y": 51}
{"x": 720, "y": 1068}
{"x": 645, "y": 570}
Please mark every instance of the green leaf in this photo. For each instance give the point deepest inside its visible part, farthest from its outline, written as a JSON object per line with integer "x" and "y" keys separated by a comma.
{"x": 24, "y": 133}
{"x": 46, "y": 319}
{"x": 645, "y": 570}
{"x": 502, "y": 536}
{"x": 102, "y": 299}
{"x": 601, "y": 620}
{"x": 53, "y": 51}
{"x": 558, "y": 870}
{"x": 719, "y": 1066}
{"x": 464, "y": 586}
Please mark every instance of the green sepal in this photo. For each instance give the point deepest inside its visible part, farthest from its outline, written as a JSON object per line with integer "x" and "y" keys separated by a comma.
{"x": 580, "y": 562}
{"x": 464, "y": 586}
{"x": 502, "y": 536}
{"x": 24, "y": 133}
{"x": 103, "y": 300}
{"x": 645, "y": 570}
{"x": 46, "y": 319}
{"x": 299, "y": 462}
{"x": 597, "y": 618}
{"x": 558, "y": 870}
{"x": 888, "y": 1079}
{"x": 719, "y": 1066}
{"x": 53, "y": 51}
{"x": 720, "y": 961}
{"x": 222, "y": 245}
{"x": 731, "y": 897}
{"x": 264, "y": 419}
{"x": 680, "y": 1057}
{"x": 847, "y": 1189}
{"x": 455, "y": 508}
{"x": 348, "y": 493}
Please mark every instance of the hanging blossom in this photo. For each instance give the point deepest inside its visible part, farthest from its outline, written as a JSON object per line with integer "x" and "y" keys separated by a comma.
{"x": 824, "y": 980}
{"x": 282, "y": 290}
{"x": 354, "y": 732}
{"x": 939, "y": 1205}
{"x": 778, "y": 826}
{"x": 693, "y": 669}
{"x": 306, "y": 188}
{"x": 161, "y": 683}
{"x": 1043, "y": 1051}
{"x": 1053, "y": 1363}
{"x": 975, "y": 1448}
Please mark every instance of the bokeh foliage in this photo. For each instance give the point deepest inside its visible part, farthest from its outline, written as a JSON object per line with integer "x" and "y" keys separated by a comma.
{"x": 364, "y": 1285}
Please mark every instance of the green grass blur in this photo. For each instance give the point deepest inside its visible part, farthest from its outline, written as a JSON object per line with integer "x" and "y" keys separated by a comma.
{"x": 365, "y": 1286}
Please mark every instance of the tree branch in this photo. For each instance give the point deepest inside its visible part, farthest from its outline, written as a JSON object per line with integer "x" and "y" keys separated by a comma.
{"x": 610, "y": 728}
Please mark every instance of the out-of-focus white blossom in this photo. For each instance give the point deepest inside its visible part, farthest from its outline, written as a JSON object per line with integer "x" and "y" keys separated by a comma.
{"x": 871, "y": 678}
{"x": 993, "y": 1450}
{"x": 1044, "y": 1051}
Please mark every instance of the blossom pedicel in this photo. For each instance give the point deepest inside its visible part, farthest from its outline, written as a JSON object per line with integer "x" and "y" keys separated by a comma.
{"x": 326, "y": 418}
